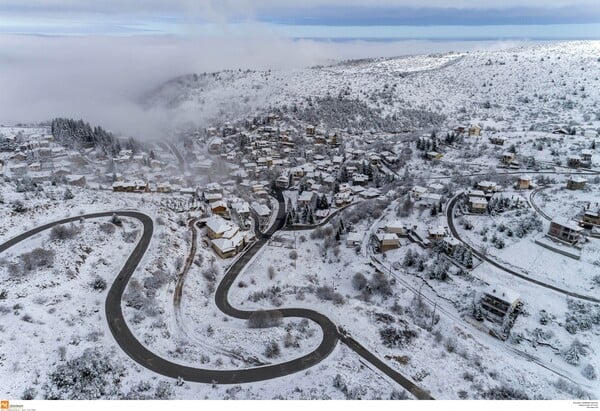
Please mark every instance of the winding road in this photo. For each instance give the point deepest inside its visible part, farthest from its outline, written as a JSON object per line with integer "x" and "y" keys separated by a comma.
{"x": 455, "y": 234}
{"x": 139, "y": 353}
{"x": 535, "y": 206}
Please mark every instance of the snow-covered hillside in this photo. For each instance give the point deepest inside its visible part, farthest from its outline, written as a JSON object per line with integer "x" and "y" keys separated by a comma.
{"x": 529, "y": 86}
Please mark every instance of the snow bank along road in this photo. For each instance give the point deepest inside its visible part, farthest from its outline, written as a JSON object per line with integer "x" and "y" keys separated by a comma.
{"x": 132, "y": 347}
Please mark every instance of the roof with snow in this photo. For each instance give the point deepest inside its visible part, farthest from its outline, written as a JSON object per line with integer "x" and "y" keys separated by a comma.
{"x": 502, "y": 293}
{"x": 219, "y": 225}
{"x": 564, "y": 222}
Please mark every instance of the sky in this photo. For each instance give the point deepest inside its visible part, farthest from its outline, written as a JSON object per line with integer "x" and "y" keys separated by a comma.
{"x": 316, "y": 19}
{"x": 93, "y": 59}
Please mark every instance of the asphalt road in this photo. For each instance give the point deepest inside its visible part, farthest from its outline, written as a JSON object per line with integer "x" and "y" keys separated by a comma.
{"x": 139, "y": 353}
{"x": 455, "y": 234}
{"x": 535, "y": 206}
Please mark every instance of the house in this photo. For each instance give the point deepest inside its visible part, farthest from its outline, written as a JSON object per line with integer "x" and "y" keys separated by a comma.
{"x": 188, "y": 191}
{"x": 476, "y": 193}
{"x": 586, "y": 157}
{"x": 219, "y": 207}
{"x": 229, "y": 247}
{"x": 353, "y": 239}
{"x": 122, "y": 186}
{"x": 18, "y": 156}
{"x": 574, "y": 161}
{"x": 297, "y": 172}
{"x": 218, "y": 227}
{"x": 477, "y": 205}
{"x": 433, "y": 155}
{"x": 437, "y": 188}
{"x": 141, "y": 186}
{"x": 508, "y": 157}
{"x": 590, "y": 218}
{"x": 283, "y": 181}
{"x": 450, "y": 244}
{"x": 475, "y": 131}
{"x": 211, "y": 197}
{"x": 163, "y": 188}
{"x": 389, "y": 157}
{"x": 76, "y": 180}
{"x": 487, "y": 186}
{"x": 310, "y": 130}
{"x": 320, "y": 139}
{"x": 343, "y": 198}
{"x": 576, "y": 183}
{"x": 307, "y": 199}
{"x": 241, "y": 209}
{"x": 560, "y": 130}
{"x": 396, "y": 227}
{"x": 498, "y": 302}
{"x": 370, "y": 192}
{"x": 430, "y": 199}
{"x": 565, "y": 231}
{"x": 499, "y": 141}
{"x": 387, "y": 241}
{"x": 524, "y": 183}
{"x": 417, "y": 192}
{"x": 374, "y": 159}
{"x": 344, "y": 187}
{"x": 263, "y": 212}
{"x": 360, "y": 179}
{"x": 436, "y": 233}
{"x": 215, "y": 145}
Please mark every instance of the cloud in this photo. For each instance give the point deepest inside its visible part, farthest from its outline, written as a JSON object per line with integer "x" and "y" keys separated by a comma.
{"x": 101, "y": 79}
{"x": 220, "y": 6}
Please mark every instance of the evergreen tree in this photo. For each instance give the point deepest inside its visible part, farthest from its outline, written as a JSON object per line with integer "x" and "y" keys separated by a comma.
{"x": 433, "y": 210}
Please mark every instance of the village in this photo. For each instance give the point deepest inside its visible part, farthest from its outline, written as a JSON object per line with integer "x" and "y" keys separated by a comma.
{"x": 458, "y": 236}
{"x": 229, "y": 174}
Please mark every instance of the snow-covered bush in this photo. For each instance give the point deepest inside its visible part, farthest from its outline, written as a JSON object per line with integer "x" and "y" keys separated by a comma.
{"x": 37, "y": 258}
{"x": 439, "y": 269}
{"x": 164, "y": 390}
{"x": 380, "y": 284}
{"x": 581, "y": 316}
{"x": 574, "y": 353}
{"x": 359, "y": 281}
{"x": 29, "y": 394}
{"x": 326, "y": 293}
{"x": 19, "y": 207}
{"x": 116, "y": 220}
{"x": 107, "y": 228}
{"x": 573, "y": 390}
{"x": 504, "y": 392}
{"x": 155, "y": 281}
{"x": 589, "y": 372}
{"x": 272, "y": 350}
{"x": 398, "y": 395}
{"x": 130, "y": 236}
{"x": 63, "y": 232}
{"x": 394, "y": 337}
{"x": 93, "y": 375}
{"x": 265, "y": 319}
{"x": 98, "y": 284}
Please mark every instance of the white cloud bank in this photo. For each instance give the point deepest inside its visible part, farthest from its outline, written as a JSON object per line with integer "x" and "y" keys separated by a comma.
{"x": 100, "y": 79}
